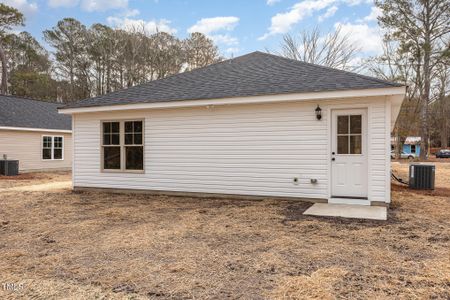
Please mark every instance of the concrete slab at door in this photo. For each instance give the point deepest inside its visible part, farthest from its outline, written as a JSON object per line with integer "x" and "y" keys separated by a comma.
{"x": 347, "y": 211}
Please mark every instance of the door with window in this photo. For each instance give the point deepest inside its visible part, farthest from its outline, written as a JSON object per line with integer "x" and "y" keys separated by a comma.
{"x": 349, "y": 154}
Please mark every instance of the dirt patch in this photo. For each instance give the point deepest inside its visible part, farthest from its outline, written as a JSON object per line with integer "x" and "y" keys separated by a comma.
{"x": 42, "y": 187}
{"x": 439, "y": 191}
{"x": 25, "y": 179}
{"x": 98, "y": 245}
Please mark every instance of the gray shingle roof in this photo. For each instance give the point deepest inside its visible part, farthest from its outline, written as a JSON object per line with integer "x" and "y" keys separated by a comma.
{"x": 253, "y": 74}
{"x": 28, "y": 113}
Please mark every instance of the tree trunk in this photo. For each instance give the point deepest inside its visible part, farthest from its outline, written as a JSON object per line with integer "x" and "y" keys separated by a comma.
{"x": 444, "y": 133}
{"x": 4, "y": 84}
{"x": 425, "y": 95}
{"x": 398, "y": 143}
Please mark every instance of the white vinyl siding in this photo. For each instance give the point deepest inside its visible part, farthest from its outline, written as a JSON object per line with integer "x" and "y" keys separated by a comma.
{"x": 252, "y": 149}
{"x": 27, "y": 146}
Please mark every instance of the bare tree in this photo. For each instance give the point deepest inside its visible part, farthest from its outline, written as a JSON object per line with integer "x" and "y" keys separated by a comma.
{"x": 200, "y": 51}
{"x": 333, "y": 49}
{"x": 421, "y": 29}
{"x": 392, "y": 65}
{"x": 440, "y": 112}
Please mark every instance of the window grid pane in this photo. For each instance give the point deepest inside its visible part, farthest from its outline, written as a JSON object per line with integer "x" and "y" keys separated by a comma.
{"x": 355, "y": 124}
{"x": 349, "y": 134}
{"x": 355, "y": 144}
{"x": 57, "y": 154}
{"x": 111, "y": 133}
{"x": 47, "y": 147}
{"x": 58, "y": 142}
{"x": 134, "y": 158}
{"x": 133, "y": 133}
{"x": 46, "y": 153}
{"x": 115, "y": 127}
{"x": 111, "y": 158}
{"x": 342, "y": 124}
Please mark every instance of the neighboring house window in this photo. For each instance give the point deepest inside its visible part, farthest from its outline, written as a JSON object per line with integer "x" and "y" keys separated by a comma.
{"x": 413, "y": 149}
{"x": 52, "y": 147}
{"x": 123, "y": 147}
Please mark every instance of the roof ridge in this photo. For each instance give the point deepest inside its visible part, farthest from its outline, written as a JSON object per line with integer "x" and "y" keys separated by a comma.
{"x": 252, "y": 74}
{"x": 330, "y": 68}
{"x": 172, "y": 75}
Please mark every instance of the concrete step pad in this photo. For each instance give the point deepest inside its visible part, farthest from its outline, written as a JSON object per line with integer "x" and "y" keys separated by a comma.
{"x": 347, "y": 211}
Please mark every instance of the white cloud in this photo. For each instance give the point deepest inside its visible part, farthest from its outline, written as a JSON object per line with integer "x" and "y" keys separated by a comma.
{"x": 131, "y": 13}
{"x": 103, "y": 5}
{"x": 151, "y": 26}
{"x": 232, "y": 50}
{"x": 209, "y": 25}
{"x": 357, "y": 2}
{"x": 214, "y": 28}
{"x": 224, "y": 39}
{"x": 63, "y": 3}
{"x": 375, "y": 12}
{"x": 368, "y": 38}
{"x": 283, "y": 22}
{"x": 272, "y": 2}
{"x": 90, "y": 5}
{"x": 329, "y": 13}
{"x": 22, "y": 5}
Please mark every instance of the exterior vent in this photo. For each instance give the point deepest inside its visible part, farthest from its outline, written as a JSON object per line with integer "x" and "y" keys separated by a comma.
{"x": 421, "y": 177}
{"x": 9, "y": 167}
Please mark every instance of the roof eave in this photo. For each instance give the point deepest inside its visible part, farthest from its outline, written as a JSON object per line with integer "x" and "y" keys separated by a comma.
{"x": 327, "y": 95}
{"x": 35, "y": 129}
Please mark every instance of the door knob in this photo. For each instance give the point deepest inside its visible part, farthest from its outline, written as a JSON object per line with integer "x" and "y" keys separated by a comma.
{"x": 333, "y": 153}
{"x": 333, "y": 159}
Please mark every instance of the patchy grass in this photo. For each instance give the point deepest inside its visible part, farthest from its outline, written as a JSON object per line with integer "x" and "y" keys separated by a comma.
{"x": 97, "y": 245}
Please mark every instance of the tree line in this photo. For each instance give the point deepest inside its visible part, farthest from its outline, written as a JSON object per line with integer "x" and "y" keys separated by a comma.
{"x": 92, "y": 61}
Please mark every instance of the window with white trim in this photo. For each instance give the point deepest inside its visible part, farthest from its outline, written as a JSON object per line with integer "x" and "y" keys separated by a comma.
{"x": 122, "y": 146}
{"x": 52, "y": 147}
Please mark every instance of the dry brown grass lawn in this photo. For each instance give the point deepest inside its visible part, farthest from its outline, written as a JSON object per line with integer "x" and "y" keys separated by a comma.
{"x": 25, "y": 179}
{"x": 96, "y": 245}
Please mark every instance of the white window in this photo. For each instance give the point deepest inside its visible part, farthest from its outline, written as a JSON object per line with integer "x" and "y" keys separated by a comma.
{"x": 52, "y": 147}
{"x": 122, "y": 145}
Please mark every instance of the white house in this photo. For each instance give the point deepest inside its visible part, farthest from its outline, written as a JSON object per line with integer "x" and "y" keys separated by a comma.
{"x": 32, "y": 132}
{"x": 255, "y": 125}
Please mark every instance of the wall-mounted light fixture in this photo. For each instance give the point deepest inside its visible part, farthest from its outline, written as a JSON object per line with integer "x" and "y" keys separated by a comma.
{"x": 318, "y": 112}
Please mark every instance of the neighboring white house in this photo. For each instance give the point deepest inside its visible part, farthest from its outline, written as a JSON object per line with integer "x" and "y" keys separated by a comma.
{"x": 33, "y": 132}
{"x": 248, "y": 126}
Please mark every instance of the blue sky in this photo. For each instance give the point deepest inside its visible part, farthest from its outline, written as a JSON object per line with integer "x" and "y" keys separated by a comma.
{"x": 237, "y": 27}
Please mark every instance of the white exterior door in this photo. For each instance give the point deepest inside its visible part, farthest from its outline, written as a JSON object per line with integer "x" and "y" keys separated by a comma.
{"x": 349, "y": 154}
